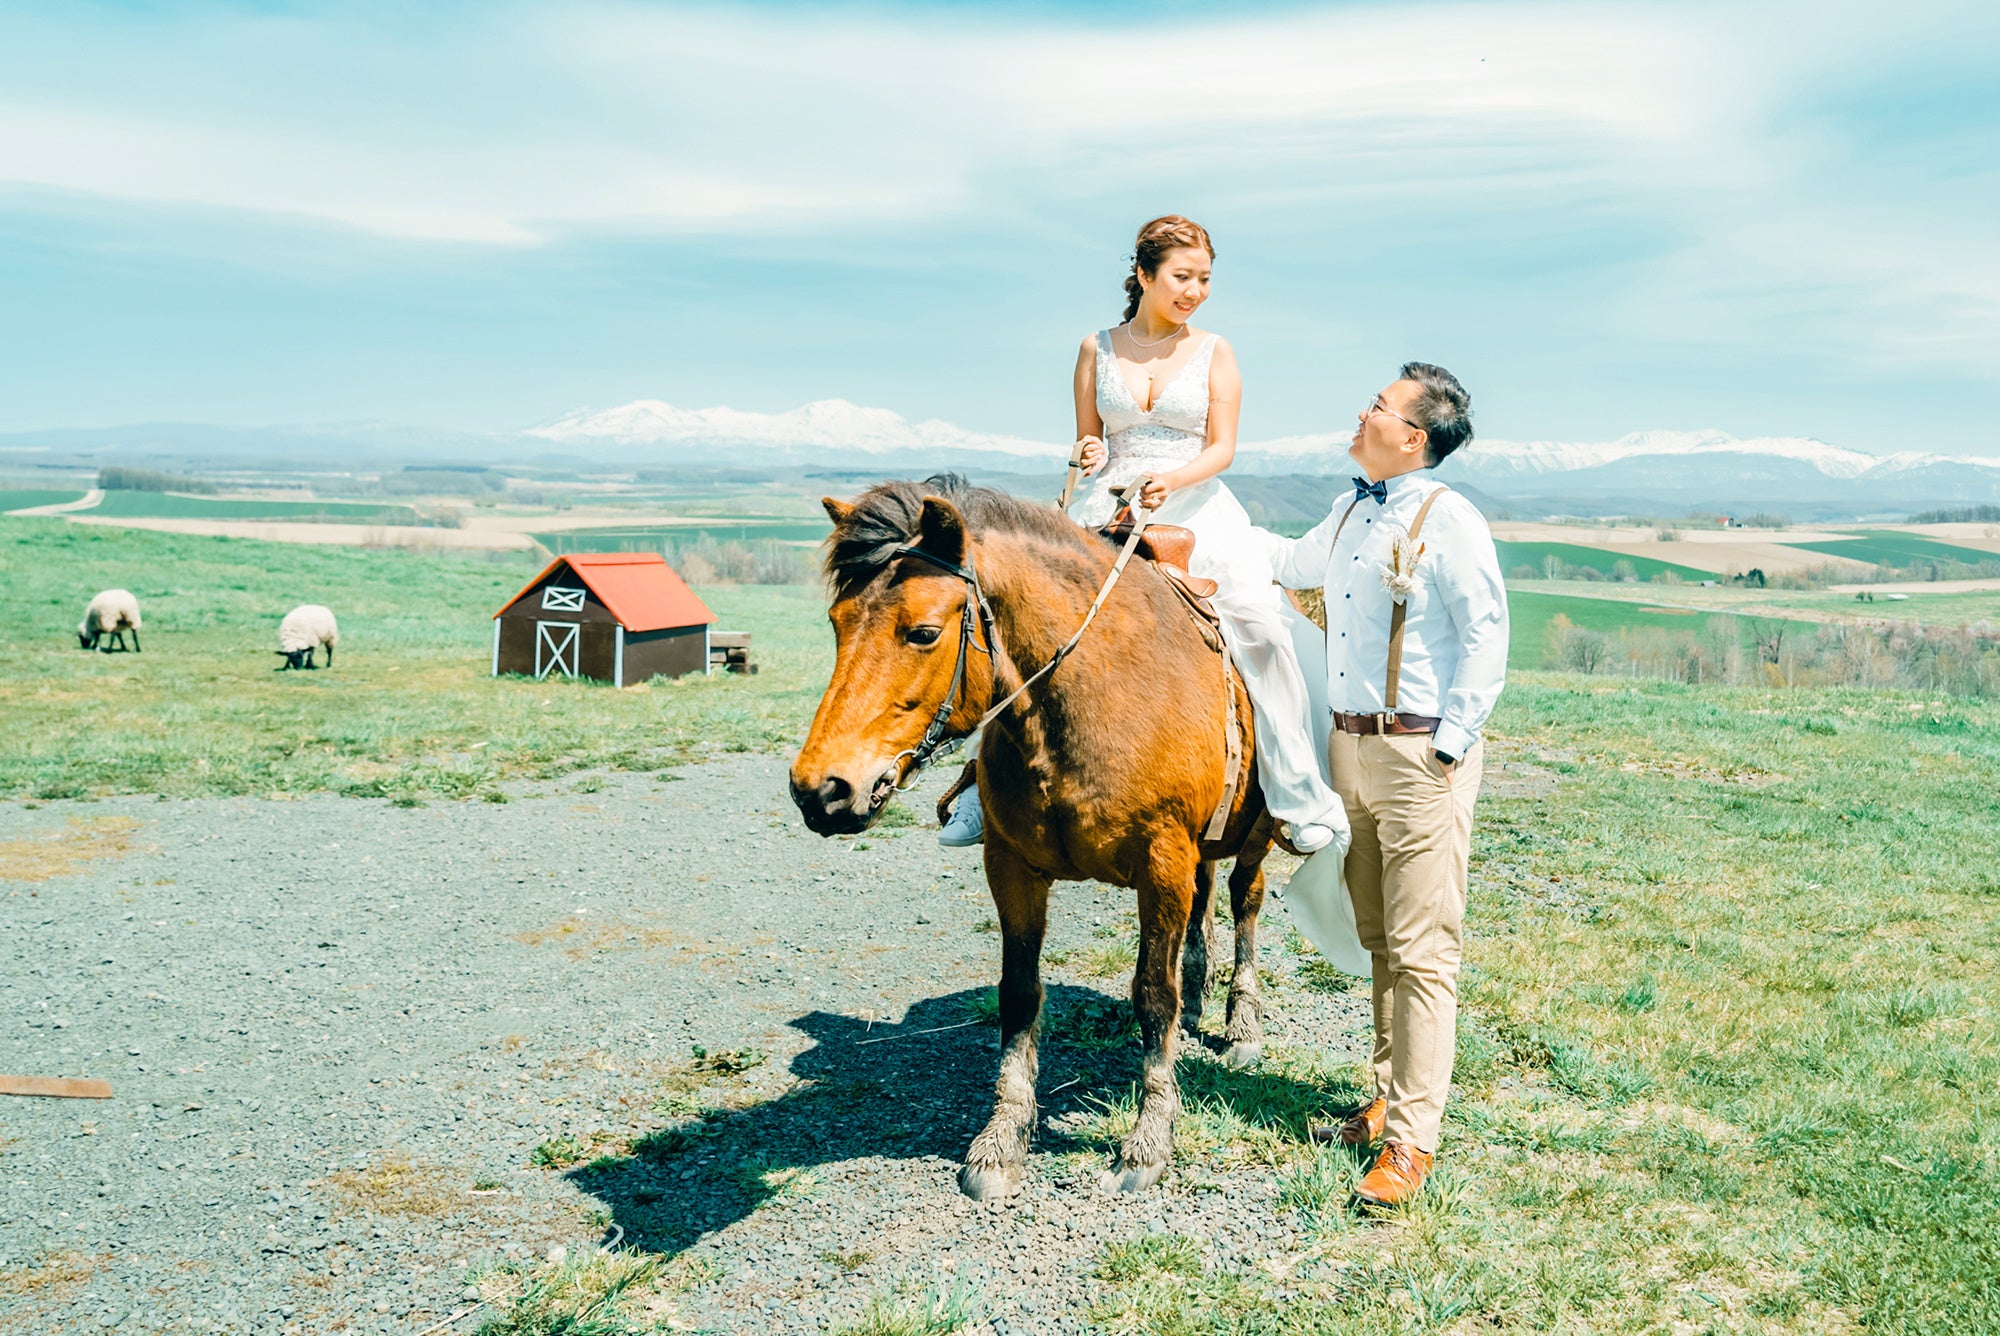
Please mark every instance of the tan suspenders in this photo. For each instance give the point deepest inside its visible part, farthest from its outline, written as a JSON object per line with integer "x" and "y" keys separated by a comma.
{"x": 1402, "y": 609}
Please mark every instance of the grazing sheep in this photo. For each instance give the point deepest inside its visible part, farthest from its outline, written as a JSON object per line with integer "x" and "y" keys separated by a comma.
{"x": 304, "y": 629}
{"x": 110, "y": 615}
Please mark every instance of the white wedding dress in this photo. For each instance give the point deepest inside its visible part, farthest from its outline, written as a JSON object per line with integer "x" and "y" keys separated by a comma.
{"x": 1229, "y": 550}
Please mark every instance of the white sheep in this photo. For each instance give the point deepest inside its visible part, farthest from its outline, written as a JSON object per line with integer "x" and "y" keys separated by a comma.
{"x": 108, "y": 617}
{"x": 304, "y": 629}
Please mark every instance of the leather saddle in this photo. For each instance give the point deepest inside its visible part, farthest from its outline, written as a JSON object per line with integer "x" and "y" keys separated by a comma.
{"x": 1170, "y": 548}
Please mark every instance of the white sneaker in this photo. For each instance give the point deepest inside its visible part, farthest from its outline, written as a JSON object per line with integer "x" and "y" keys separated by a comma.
{"x": 967, "y": 825}
{"x": 1311, "y": 837}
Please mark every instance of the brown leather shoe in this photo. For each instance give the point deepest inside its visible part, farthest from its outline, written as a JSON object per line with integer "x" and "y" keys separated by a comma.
{"x": 1397, "y": 1175}
{"x": 1363, "y": 1129}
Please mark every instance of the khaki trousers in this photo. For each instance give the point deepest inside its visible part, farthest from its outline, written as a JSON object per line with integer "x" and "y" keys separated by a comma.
{"x": 1406, "y": 873}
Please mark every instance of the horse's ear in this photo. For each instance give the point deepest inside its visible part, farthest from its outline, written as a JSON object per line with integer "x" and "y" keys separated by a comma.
{"x": 941, "y": 530}
{"x": 837, "y": 511}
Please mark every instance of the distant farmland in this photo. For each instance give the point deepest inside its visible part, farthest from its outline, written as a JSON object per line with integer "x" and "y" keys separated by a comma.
{"x": 657, "y": 537}
{"x": 22, "y": 500}
{"x": 1890, "y": 547}
{"x": 1514, "y": 555}
{"x": 172, "y": 505}
{"x": 1530, "y": 614}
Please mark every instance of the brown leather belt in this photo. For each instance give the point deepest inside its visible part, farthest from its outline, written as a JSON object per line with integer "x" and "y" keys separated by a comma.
{"x": 1366, "y": 724}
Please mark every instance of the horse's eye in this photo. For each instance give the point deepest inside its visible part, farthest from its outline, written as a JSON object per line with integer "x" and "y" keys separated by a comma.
{"x": 923, "y": 635}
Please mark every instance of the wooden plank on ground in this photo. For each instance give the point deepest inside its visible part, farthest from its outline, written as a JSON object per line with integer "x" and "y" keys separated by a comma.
{"x": 56, "y": 1087}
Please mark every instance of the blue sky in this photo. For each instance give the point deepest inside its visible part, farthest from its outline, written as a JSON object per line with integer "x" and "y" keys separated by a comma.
{"x": 1769, "y": 219}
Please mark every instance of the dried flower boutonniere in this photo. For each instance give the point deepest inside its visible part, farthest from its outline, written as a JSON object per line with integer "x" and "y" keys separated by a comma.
{"x": 1399, "y": 572}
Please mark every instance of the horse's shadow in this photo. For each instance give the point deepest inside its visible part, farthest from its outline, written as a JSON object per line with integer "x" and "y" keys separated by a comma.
{"x": 918, "y": 1090}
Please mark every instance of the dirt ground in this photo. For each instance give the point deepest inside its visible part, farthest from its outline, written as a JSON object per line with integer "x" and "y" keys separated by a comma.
{"x": 1722, "y": 551}
{"x": 338, "y": 1031}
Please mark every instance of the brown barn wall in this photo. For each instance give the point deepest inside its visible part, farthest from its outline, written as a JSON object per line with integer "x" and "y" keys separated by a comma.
{"x": 596, "y": 643}
{"x": 668, "y": 653}
{"x": 529, "y": 605}
{"x": 597, "y": 656}
{"x": 517, "y": 646}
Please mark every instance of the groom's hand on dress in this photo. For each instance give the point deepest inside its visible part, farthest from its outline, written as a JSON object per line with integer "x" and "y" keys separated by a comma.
{"x": 1093, "y": 455}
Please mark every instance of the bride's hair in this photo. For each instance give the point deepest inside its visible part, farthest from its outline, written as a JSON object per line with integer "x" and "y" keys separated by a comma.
{"x": 1155, "y": 239}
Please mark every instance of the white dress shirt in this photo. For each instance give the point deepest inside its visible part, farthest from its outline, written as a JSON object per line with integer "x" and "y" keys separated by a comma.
{"x": 1455, "y": 632}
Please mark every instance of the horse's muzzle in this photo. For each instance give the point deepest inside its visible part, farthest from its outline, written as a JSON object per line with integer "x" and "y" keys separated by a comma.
{"x": 836, "y": 806}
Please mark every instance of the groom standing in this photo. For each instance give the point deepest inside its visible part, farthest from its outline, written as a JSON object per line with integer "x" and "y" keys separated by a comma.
{"x": 1416, "y": 618}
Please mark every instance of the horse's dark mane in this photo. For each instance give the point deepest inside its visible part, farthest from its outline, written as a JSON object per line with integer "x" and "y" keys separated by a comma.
{"x": 886, "y": 517}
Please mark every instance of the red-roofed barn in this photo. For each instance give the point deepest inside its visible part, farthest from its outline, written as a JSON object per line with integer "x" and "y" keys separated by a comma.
{"x": 619, "y": 617}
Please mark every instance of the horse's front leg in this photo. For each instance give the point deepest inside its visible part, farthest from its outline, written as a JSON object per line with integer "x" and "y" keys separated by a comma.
{"x": 1245, "y": 1030}
{"x": 1166, "y": 898}
{"x": 1197, "y": 954}
{"x": 999, "y": 1154}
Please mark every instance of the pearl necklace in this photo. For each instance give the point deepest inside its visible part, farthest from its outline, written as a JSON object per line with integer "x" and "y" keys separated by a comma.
{"x": 1179, "y": 330}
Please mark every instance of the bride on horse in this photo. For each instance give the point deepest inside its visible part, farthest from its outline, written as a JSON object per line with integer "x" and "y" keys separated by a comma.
{"x": 1158, "y": 399}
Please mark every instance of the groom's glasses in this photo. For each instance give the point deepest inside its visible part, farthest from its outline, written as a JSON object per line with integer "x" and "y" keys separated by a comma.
{"x": 1379, "y": 407}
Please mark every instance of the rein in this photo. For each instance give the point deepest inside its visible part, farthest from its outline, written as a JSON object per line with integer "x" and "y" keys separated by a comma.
{"x": 934, "y": 740}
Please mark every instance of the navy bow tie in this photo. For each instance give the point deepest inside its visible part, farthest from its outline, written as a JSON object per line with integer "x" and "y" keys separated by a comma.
{"x": 1378, "y": 490}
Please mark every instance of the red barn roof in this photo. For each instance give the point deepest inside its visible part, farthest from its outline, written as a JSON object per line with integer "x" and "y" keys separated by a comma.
{"x": 639, "y": 588}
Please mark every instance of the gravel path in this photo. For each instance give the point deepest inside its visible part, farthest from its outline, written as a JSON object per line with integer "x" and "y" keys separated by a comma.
{"x": 338, "y": 1030}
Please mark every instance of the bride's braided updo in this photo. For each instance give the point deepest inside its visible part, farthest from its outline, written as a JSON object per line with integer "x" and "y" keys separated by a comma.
{"x": 1156, "y": 238}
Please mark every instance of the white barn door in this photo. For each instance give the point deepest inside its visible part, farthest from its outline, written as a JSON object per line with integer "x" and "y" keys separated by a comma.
{"x": 555, "y": 648}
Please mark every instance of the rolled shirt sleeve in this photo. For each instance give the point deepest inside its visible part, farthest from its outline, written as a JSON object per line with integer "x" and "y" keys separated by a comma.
{"x": 1475, "y": 597}
{"x": 1300, "y": 563}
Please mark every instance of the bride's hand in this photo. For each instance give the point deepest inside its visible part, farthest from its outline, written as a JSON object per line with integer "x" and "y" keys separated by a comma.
{"x": 1155, "y": 492}
{"x": 1093, "y": 455}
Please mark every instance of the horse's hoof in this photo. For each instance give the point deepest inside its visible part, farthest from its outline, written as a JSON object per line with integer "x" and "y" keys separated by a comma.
{"x": 1133, "y": 1178}
{"x": 988, "y": 1182}
{"x": 1242, "y": 1055}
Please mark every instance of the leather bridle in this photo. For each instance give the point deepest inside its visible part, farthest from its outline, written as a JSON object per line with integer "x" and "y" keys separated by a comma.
{"x": 934, "y": 739}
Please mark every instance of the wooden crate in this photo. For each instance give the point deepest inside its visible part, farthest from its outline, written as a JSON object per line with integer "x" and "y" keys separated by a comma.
{"x": 730, "y": 651}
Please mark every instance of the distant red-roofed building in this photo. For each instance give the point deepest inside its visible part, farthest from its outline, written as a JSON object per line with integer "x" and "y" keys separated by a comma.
{"x": 618, "y": 617}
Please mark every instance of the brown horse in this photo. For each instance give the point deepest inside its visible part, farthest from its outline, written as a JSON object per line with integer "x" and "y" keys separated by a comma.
{"x": 1109, "y": 769}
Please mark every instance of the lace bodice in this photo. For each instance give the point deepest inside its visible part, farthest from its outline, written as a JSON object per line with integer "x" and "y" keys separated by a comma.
{"x": 1173, "y": 432}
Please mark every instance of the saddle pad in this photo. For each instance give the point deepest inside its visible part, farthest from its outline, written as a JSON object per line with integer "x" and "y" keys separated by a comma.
{"x": 1168, "y": 543}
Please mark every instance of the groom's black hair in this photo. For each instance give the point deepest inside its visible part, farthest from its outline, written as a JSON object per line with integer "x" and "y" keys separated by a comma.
{"x": 1443, "y": 410}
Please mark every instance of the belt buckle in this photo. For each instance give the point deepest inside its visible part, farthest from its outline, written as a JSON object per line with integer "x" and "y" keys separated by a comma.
{"x": 1384, "y": 720}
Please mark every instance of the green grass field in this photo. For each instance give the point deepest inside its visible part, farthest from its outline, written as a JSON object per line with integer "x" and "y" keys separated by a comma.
{"x": 1530, "y": 613}
{"x": 170, "y": 505}
{"x": 408, "y": 709}
{"x": 1731, "y": 1024}
{"x": 1891, "y": 547}
{"x": 1727, "y": 1051}
{"x": 1922, "y": 606}
{"x": 1514, "y": 555}
{"x": 23, "y": 498}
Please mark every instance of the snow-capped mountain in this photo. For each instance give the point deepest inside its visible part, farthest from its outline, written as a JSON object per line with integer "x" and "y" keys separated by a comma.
{"x": 1665, "y": 472}
{"x": 1497, "y": 459}
{"x": 1494, "y": 457}
{"x": 828, "y": 424}
{"x": 1643, "y": 473}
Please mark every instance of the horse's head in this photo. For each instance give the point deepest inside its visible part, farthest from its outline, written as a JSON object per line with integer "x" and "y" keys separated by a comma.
{"x": 897, "y": 625}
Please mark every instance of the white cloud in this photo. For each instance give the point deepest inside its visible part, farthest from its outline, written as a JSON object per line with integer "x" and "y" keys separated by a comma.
{"x": 522, "y": 124}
